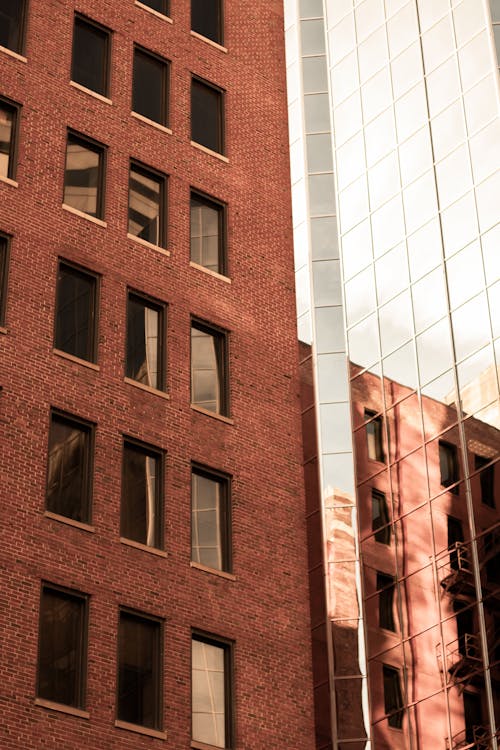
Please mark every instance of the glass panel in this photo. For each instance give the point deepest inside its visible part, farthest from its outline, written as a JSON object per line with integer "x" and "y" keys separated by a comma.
{"x": 82, "y": 176}
{"x": 312, "y": 35}
{"x": 144, "y": 357}
{"x": 7, "y": 126}
{"x": 373, "y": 54}
{"x": 160, "y": 5}
{"x": 465, "y": 274}
{"x": 376, "y": 94}
{"x": 206, "y": 233}
{"x": 68, "y": 477}
{"x": 383, "y": 180}
{"x": 3, "y": 276}
{"x": 380, "y": 137}
{"x": 459, "y": 223}
{"x": 90, "y": 56}
{"x": 316, "y": 113}
{"x": 356, "y": 249}
{"x": 342, "y": 39}
{"x": 429, "y": 299}
{"x": 347, "y": 118}
{"x": 319, "y": 157}
{"x": 443, "y": 86}
{"x": 208, "y": 693}
{"x": 363, "y": 342}
{"x": 206, "y": 374}
{"x": 314, "y": 74}
{"x": 75, "y": 319}
{"x": 330, "y": 335}
{"x": 448, "y": 130}
{"x": 411, "y": 112}
{"x": 454, "y": 177}
{"x": 149, "y": 95}
{"x": 391, "y": 273}
{"x": 471, "y": 326}
{"x": 487, "y": 204}
{"x": 400, "y": 367}
{"x": 206, "y": 116}
{"x": 360, "y": 298}
{"x": 145, "y": 205}
{"x": 480, "y": 105}
{"x": 369, "y": 15}
{"x": 406, "y": 70}
{"x": 139, "y": 671}
{"x": 141, "y": 510}
{"x": 344, "y": 77}
{"x": 485, "y": 151}
{"x": 11, "y": 24}
{"x": 208, "y": 542}
{"x": 438, "y": 44}
{"x": 326, "y": 280}
{"x": 310, "y": 8}
{"x": 350, "y": 161}
{"x": 206, "y": 19}
{"x": 434, "y": 350}
{"x": 353, "y": 203}
{"x": 420, "y": 202}
{"x": 321, "y": 194}
{"x": 424, "y": 249}
{"x": 388, "y": 226}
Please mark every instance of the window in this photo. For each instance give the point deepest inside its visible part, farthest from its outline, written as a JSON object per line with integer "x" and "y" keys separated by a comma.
{"x": 146, "y": 204}
{"x": 393, "y": 698}
{"x": 385, "y": 587}
{"x": 209, "y": 368}
{"x": 162, "y": 6}
{"x": 62, "y": 646}
{"x": 141, "y": 510}
{"x": 145, "y": 335}
{"x": 90, "y": 66}
{"x": 206, "y": 19}
{"x": 76, "y": 312}
{"x": 487, "y": 479}
{"x": 211, "y": 691}
{"x": 84, "y": 175}
{"x": 455, "y": 536}
{"x": 210, "y": 519}
{"x": 8, "y": 136}
{"x": 4, "y": 262}
{"x": 69, "y": 469}
{"x": 139, "y": 670}
{"x": 207, "y": 115}
{"x": 208, "y": 242}
{"x": 150, "y": 86}
{"x": 12, "y": 24}
{"x": 380, "y": 518}
{"x": 374, "y": 436}
{"x": 448, "y": 464}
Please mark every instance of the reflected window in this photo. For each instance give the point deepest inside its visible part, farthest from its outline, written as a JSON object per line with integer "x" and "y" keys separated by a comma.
{"x": 487, "y": 479}
{"x": 207, "y": 115}
{"x": 455, "y": 537}
{"x": 4, "y": 261}
{"x": 12, "y": 15}
{"x": 208, "y": 245}
{"x": 145, "y": 335}
{"x": 374, "y": 436}
{"x": 84, "y": 175}
{"x": 141, "y": 507}
{"x": 211, "y": 691}
{"x": 162, "y": 6}
{"x": 386, "y": 588}
{"x": 146, "y": 204}
{"x": 139, "y": 670}
{"x": 150, "y": 86}
{"x": 8, "y": 135}
{"x": 393, "y": 697}
{"x": 380, "y": 518}
{"x": 76, "y": 312}
{"x": 206, "y": 19}
{"x": 492, "y": 556}
{"x": 62, "y": 647}
{"x": 90, "y": 65}
{"x": 467, "y": 645}
{"x": 210, "y": 521}
{"x": 209, "y": 387}
{"x": 69, "y": 469}
{"x": 473, "y": 715}
{"x": 448, "y": 465}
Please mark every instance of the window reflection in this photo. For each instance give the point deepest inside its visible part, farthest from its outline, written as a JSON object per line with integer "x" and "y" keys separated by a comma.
{"x": 83, "y": 176}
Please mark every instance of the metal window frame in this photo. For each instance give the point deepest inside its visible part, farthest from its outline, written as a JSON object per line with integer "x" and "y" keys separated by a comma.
{"x": 225, "y": 481}
{"x": 165, "y": 81}
{"x": 162, "y": 178}
{"x": 99, "y": 148}
{"x": 221, "y": 337}
{"x": 221, "y": 95}
{"x": 228, "y": 646}
{"x": 106, "y": 66}
{"x": 75, "y": 267}
{"x": 152, "y": 452}
{"x": 161, "y": 307}
{"x": 221, "y": 208}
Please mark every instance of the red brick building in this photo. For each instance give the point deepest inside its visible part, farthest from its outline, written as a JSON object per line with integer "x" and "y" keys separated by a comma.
{"x": 153, "y": 555}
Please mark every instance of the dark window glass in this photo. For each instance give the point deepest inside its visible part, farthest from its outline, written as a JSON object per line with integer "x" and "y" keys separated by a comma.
{"x": 207, "y": 116}
{"x": 8, "y": 131}
{"x": 492, "y": 556}
{"x": 380, "y": 518}
{"x": 145, "y": 326}
{"x": 139, "y": 670}
{"x": 141, "y": 495}
{"x": 4, "y": 259}
{"x": 206, "y": 19}
{"x": 386, "y": 587}
{"x": 84, "y": 175}
{"x": 455, "y": 536}
{"x": 76, "y": 312}
{"x": 374, "y": 437}
{"x": 162, "y": 6}
{"x": 150, "y": 86}
{"x": 210, "y": 523}
{"x": 146, "y": 205}
{"x": 62, "y": 646}
{"x": 211, "y": 692}
{"x": 467, "y": 644}
{"x": 487, "y": 480}
{"x": 448, "y": 464}
{"x": 90, "y": 55}
{"x": 208, "y": 369}
{"x": 207, "y": 233}
{"x": 393, "y": 698}
{"x": 68, "y": 476}
{"x": 12, "y": 24}
{"x": 473, "y": 715}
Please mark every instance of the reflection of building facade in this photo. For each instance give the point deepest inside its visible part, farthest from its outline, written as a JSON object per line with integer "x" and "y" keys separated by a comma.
{"x": 394, "y": 136}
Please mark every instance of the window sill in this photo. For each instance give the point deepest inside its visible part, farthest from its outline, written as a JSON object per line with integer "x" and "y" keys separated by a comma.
{"x": 95, "y": 94}
{"x": 3, "y": 330}
{"x": 53, "y": 706}
{"x": 140, "y": 730}
{"x": 83, "y": 215}
{"x": 69, "y": 521}
{"x": 13, "y": 54}
{"x": 213, "y": 414}
{"x": 209, "y": 151}
{"x": 197, "y": 745}
{"x": 147, "y": 388}
{"x": 214, "y": 571}
{"x": 215, "y": 274}
{"x": 143, "y": 547}
{"x": 145, "y": 243}
{"x": 153, "y": 11}
{"x": 209, "y": 41}
{"x": 156, "y": 125}
{"x": 77, "y": 360}
{"x": 8, "y": 181}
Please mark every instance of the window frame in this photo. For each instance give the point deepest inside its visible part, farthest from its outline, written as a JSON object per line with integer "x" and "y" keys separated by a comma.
{"x": 394, "y": 714}
{"x": 101, "y": 149}
{"x": 383, "y": 531}
{"x": 222, "y": 357}
{"x": 22, "y": 30}
{"x": 228, "y": 647}
{"x": 377, "y": 420}
{"x": 151, "y": 172}
{"x": 159, "y": 455}
{"x": 161, "y": 308}
{"x": 89, "y": 22}
{"x": 386, "y": 589}
{"x": 82, "y": 645}
{"x": 165, "y": 3}
{"x": 15, "y": 107}
{"x": 221, "y": 208}
{"x": 225, "y": 483}
{"x": 220, "y": 39}
{"x": 87, "y": 492}
{"x": 451, "y": 451}
{"x": 221, "y": 129}
{"x": 95, "y": 307}
{"x": 165, "y": 84}
{"x": 5, "y": 240}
